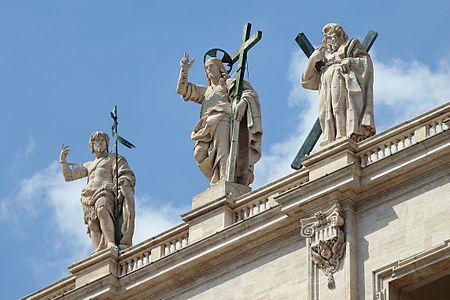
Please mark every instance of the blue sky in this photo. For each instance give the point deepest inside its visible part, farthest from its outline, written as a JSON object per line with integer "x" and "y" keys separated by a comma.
{"x": 65, "y": 64}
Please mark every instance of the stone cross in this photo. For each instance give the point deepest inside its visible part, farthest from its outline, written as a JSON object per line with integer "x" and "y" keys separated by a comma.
{"x": 316, "y": 130}
{"x": 241, "y": 56}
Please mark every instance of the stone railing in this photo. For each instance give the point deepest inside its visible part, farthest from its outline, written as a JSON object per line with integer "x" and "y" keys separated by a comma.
{"x": 137, "y": 261}
{"x": 262, "y": 198}
{"x": 153, "y": 249}
{"x": 251, "y": 208}
{"x": 404, "y": 135}
{"x": 386, "y": 148}
{"x": 175, "y": 243}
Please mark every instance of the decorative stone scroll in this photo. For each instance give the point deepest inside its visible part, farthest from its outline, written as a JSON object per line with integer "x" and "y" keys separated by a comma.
{"x": 327, "y": 240}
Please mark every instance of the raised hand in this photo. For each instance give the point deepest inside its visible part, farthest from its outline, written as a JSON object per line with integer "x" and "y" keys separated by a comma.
{"x": 318, "y": 54}
{"x": 185, "y": 63}
{"x": 64, "y": 152}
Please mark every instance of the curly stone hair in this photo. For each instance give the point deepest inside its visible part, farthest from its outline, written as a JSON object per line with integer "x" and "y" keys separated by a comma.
{"x": 331, "y": 28}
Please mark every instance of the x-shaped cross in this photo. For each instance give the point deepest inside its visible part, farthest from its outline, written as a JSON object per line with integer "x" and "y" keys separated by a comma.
{"x": 316, "y": 130}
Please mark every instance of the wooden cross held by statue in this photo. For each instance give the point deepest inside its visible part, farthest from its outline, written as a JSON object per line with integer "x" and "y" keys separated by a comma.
{"x": 118, "y": 207}
{"x": 316, "y": 130}
{"x": 241, "y": 56}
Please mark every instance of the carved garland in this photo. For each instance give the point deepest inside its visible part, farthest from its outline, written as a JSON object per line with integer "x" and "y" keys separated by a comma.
{"x": 327, "y": 240}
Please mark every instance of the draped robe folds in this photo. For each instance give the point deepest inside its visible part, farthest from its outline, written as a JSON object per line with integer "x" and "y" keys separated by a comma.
{"x": 356, "y": 92}
{"x": 100, "y": 191}
{"x": 212, "y": 132}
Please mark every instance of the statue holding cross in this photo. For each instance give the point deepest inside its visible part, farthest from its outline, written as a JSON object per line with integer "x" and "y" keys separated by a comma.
{"x": 342, "y": 71}
{"x": 228, "y": 135}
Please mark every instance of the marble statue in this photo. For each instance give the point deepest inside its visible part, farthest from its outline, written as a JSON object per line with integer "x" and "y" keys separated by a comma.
{"x": 98, "y": 197}
{"x": 345, "y": 85}
{"x": 212, "y": 133}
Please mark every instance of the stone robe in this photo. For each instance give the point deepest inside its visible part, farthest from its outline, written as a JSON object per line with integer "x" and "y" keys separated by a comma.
{"x": 353, "y": 89}
{"x": 212, "y": 132}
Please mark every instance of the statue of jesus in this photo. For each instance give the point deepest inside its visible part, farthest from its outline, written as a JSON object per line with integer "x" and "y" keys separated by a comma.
{"x": 212, "y": 133}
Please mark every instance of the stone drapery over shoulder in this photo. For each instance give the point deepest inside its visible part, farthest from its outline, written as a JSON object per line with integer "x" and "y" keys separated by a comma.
{"x": 212, "y": 132}
{"x": 345, "y": 85}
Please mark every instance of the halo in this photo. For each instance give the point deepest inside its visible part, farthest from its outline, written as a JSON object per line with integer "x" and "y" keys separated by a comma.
{"x": 226, "y": 58}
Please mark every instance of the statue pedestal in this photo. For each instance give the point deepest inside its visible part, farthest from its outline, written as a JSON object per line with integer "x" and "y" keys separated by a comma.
{"x": 212, "y": 210}
{"x": 96, "y": 266}
{"x": 331, "y": 158}
{"x": 217, "y": 191}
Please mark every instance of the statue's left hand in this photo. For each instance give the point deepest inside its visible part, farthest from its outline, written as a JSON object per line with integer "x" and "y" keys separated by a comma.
{"x": 239, "y": 110}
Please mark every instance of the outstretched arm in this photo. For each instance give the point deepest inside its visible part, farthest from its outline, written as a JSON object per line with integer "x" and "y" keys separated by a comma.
{"x": 185, "y": 65}
{"x": 187, "y": 90}
{"x": 70, "y": 171}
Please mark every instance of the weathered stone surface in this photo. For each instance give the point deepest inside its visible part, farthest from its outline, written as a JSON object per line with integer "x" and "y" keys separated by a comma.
{"x": 393, "y": 199}
{"x": 99, "y": 265}
{"x": 218, "y": 191}
{"x": 212, "y": 132}
{"x": 98, "y": 198}
{"x": 345, "y": 85}
{"x": 212, "y": 209}
{"x": 326, "y": 239}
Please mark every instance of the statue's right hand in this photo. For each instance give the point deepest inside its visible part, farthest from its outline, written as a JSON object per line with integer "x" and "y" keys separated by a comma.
{"x": 64, "y": 152}
{"x": 185, "y": 63}
{"x": 317, "y": 55}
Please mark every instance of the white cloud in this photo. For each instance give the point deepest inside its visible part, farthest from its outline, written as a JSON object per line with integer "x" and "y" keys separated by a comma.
{"x": 153, "y": 217}
{"x": 277, "y": 161}
{"x": 46, "y": 196}
{"x": 30, "y": 147}
{"x": 406, "y": 88}
{"x": 63, "y": 200}
{"x": 23, "y": 153}
{"x": 5, "y": 213}
{"x": 410, "y": 88}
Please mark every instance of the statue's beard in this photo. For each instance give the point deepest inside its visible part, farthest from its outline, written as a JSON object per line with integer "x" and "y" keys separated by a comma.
{"x": 333, "y": 47}
{"x": 100, "y": 151}
{"x": 214, "y": 78}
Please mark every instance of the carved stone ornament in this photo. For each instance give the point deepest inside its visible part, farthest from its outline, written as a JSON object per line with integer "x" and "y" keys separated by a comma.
{"x": 327, "y": 240}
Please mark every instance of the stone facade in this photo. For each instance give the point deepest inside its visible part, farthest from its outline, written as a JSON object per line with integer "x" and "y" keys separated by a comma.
{"x": 381, "y": 206}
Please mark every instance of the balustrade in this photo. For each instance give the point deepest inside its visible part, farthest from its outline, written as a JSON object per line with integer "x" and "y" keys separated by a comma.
{"x": 134, "y": 261}
{"x": 398, "y": 141}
